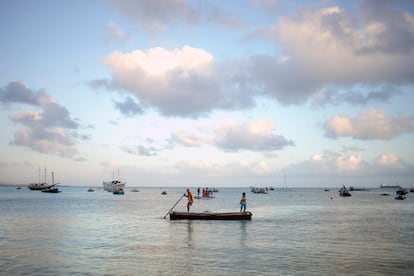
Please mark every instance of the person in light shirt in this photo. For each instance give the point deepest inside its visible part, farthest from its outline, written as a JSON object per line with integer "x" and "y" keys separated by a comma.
{"x": 243, "y": 202}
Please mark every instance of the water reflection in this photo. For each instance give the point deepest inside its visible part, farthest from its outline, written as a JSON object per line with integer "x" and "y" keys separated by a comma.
{"x": 190, "y": 233}
{"x": 243, "y": 232}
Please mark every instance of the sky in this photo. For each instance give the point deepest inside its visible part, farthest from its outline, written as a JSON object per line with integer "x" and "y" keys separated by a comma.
{"x": 207, "y": 93}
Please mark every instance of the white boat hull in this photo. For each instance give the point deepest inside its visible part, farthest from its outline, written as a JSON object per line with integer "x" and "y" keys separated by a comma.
{"x": 111, "y": 185}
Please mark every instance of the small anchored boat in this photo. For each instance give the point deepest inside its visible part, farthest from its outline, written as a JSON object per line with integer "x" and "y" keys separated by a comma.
{"x": 344, "y": 191}
{"x": 211, "y": 216}
{"x": 400, "y": 197}
{"x": 118, "y": 191}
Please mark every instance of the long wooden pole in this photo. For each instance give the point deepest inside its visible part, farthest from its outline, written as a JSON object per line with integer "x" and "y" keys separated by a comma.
{"x": 173, "y": 206}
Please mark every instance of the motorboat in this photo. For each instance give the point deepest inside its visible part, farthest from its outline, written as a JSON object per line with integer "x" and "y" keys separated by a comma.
{"x": 52, "y": 190}
{"x": 258, "y": 190}
{"x": 118, "y": 190}
{"x": 401, "y": 191}
{"x": 111, "y": 185}
{"x": 400, "y": 197}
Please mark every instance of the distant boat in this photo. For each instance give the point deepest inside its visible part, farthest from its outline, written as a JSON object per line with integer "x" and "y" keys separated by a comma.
{"x": 211, "y": 216}
{"x": 135, "y": 190}
{"x": 390, "y": 186}
{"x": 344, "y": 192}
{"x": 163, "y": 192}
{"x": 257, "y": 190}
{"x": 53, "y": 189}
{"x": 401, "y": 191}
{"x": 111, "y": 185}
{"x": 39, "y": 185}
{"x": 91, "y": 189}
{"x": 118, "y": 190}
{"x": 400, "y": 197}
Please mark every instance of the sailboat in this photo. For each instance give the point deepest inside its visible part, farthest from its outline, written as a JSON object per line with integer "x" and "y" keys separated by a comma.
{"x": 52, "y": 189}
{"x": 284, "y": 188}
{"x": 39, "y": 185}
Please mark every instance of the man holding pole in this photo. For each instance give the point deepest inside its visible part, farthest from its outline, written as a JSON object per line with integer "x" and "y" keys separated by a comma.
{"x": 189, "y": 196}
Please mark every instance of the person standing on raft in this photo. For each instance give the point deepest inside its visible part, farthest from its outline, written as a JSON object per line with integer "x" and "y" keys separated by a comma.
{"x": 243, "y": 203}
{"x": 189, "y": 196}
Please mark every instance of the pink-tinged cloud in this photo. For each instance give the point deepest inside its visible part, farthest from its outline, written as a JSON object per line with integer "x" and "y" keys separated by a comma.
{"x": 370, "y": 124}
{"x": 50, "y": 131}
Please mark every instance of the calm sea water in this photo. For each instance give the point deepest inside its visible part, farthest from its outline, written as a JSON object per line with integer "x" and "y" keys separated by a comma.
{"x": 292, "y": 232}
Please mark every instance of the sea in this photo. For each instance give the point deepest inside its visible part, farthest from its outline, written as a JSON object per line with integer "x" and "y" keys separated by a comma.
{"x": 293, "y": 231}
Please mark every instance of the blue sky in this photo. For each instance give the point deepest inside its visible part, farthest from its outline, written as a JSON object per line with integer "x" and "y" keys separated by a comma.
{"x": 208, "y": 93}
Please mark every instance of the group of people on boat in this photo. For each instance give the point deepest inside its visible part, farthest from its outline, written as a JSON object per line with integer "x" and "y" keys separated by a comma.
{"x": 190, "y": 200}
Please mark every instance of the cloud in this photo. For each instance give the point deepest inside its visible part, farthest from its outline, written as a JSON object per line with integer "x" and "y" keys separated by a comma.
{"x": 50, "y": 140}
{"x": 354, "y": 97}
{"x": 237, "y": 170}
{"x": 129, "y": 107}
{"x": 257, "y": 135}
{"x": 80, "y": 159}
{"x": 115, "y": 33}
{"x": 328, "y": 51}
{"x": 50, "y": 131}
{"x": 388, "y": 30}
{"x": 215, "y": 14}
{"x": 141, "y": 150}
{"x": 181, "y": 82}
{"x": 353, "y": 148}
{"x": 17, "y": 92}
{"x": 186, "y": 139}
{"x": 331, "y": 163}
{"x": 155, "y": 15}
{"x": 326, "y": 55}
{"x": 368, "y": 125}
{"x": 391, "y": 164}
